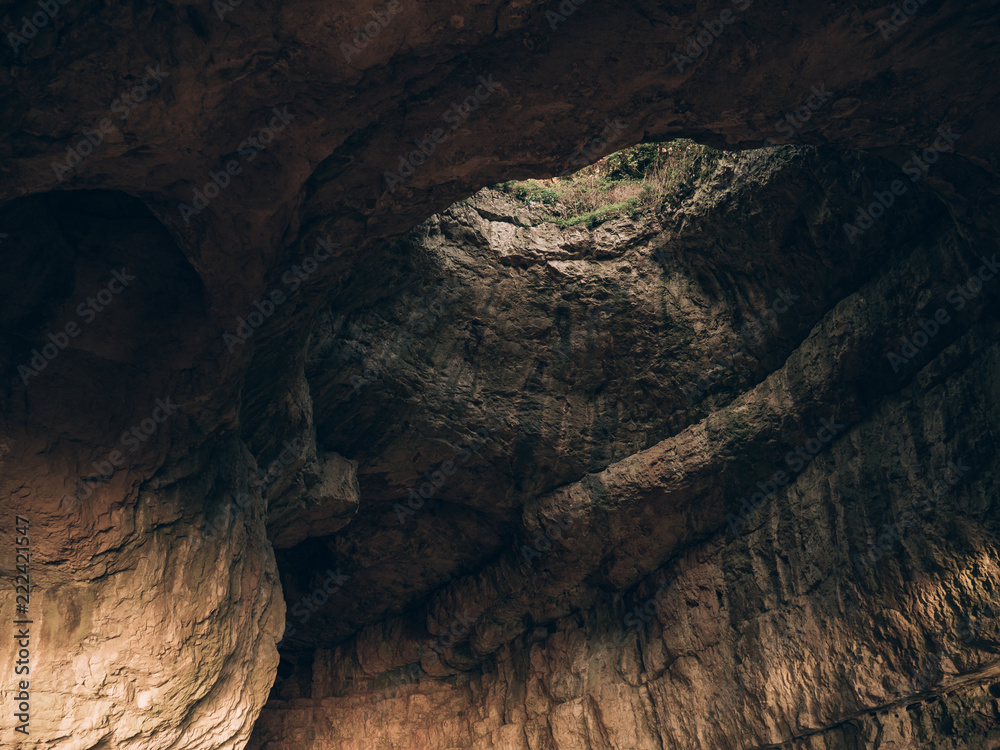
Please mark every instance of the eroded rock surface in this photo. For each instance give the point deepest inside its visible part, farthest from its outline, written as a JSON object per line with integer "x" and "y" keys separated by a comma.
{"x": 770, "y": 623}
{"x": 560, "y": 361}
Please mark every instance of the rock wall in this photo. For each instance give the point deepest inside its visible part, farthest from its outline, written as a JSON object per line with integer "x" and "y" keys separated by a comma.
{"x": 660, "y": 601}
{"x": 171, "y": 414}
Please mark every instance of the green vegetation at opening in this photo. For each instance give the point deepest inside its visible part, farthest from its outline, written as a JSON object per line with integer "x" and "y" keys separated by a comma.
{"x": 650, "y": 176}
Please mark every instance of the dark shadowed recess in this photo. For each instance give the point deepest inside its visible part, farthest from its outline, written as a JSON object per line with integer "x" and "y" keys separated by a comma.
{"x": 95, "y": 298}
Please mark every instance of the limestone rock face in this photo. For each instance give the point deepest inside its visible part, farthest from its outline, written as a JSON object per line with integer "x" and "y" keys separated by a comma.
{"x": 528, "y": 379}
{"x": 796, "y": 549}
{"x": 256, "y": 359}
{"x": 149, "y": 643}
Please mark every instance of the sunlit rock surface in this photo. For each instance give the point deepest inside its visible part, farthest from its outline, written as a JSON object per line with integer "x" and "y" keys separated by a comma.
{"x": 658, "y": 600}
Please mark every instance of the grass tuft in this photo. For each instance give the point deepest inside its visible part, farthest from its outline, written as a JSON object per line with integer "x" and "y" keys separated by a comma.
{"x": 647, "y": 177}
